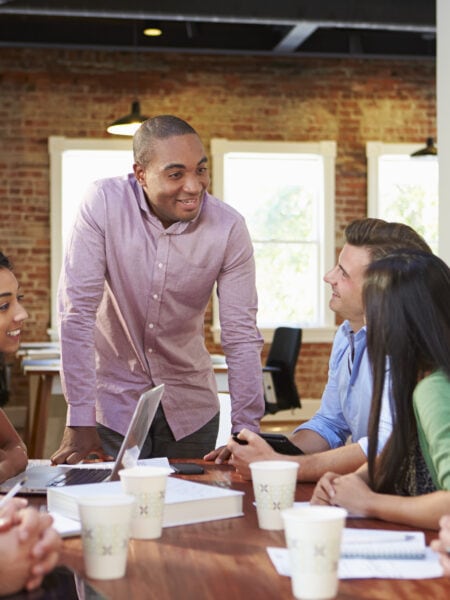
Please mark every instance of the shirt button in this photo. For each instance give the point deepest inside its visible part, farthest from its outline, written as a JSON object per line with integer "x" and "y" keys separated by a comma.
{"x": 150, "y": 350}
{"x": 151, "y": 325}
{"x": 160, "y": 265}
{"x": 155, "y": 296}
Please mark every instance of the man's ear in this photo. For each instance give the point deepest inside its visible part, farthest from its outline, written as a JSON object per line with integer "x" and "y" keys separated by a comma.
{"x": 139, "y": 173}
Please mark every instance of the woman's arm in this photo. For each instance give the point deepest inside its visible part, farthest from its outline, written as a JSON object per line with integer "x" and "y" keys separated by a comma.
{"x": 13, "y": 452}
{"x": 353, "y": 494}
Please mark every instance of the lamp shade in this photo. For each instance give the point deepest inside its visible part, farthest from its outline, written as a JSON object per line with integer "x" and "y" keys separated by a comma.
{"x": 429, "y": 150}
{"x": 129, "y": 124}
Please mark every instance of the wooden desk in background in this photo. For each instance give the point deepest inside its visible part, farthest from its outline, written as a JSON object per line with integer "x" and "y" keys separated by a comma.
{"x": 37, "y": 414}
{"x": 227, "y": 559}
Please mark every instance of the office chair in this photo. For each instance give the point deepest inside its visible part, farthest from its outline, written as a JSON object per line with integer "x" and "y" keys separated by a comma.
{"x": 280, "y": 391}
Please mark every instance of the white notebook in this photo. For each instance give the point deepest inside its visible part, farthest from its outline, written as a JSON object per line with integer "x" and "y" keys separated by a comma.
{"x": 382, "y": 543}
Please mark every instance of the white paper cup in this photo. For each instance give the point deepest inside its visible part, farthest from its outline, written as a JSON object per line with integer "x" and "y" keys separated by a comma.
{"x": 313, "y": 537}
{"x": 148, "y": 485}
{"x": 105, "y": 530}
{"x": 274, "y": 483}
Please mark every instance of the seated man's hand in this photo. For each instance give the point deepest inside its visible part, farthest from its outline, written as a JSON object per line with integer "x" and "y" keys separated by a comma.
{"x": 255, "y": 449}
{"x": 77, "y": 444}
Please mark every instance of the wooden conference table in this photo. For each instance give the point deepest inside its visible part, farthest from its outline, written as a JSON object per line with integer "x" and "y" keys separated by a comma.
{"x": 227, "y": 559}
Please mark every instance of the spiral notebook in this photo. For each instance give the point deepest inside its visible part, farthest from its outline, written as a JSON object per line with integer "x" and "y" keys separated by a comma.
{"x": 382, "y": 543}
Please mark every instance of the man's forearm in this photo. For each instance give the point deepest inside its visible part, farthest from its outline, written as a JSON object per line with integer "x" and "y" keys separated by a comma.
{"x": 345, "y": 459}
{"x": 309, "y": 441}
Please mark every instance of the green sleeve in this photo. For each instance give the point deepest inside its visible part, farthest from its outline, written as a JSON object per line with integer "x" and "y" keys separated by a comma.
{"x": 432, "y": 411}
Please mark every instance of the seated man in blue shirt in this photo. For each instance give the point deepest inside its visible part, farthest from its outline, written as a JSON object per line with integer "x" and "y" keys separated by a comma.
{"x": 335, "y": 439}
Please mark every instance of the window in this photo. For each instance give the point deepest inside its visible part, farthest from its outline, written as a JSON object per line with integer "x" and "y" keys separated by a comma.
{"x": 74, "y": 164}
{"x": 285, "y": 191}
{"x": 404, "y": 189}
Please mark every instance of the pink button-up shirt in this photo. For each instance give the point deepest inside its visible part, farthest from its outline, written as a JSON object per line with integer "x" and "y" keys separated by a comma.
{"x": 132, "y": 300}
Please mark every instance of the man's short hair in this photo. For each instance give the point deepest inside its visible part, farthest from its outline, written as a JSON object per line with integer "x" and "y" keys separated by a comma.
{"x": 381, "y": 237}
{"x": 157, "y": 128}
{"x": 5, "y": 263}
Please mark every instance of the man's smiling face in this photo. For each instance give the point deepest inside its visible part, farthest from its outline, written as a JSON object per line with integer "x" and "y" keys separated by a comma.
{"x": 175, "y": 179}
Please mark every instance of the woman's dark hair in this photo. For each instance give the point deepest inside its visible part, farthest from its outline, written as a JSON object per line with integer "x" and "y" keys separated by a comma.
{"x": 407, "y": 306}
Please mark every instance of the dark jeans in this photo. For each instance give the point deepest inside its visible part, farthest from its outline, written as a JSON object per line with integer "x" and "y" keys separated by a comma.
{"x": 160, "y": 441}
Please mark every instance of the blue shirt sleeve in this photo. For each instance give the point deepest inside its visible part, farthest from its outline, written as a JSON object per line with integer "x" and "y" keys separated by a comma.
{"x": 329, "y": 421}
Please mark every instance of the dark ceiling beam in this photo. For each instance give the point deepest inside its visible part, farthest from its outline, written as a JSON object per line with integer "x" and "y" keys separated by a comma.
{"x": 295, "y": 38}
{"x": 395, "y": 15}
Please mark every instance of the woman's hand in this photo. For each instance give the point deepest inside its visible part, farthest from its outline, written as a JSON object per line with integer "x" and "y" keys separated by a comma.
{"x": 9, "y": 514}
{"x": 348, "y": 491}
{"x": 29, "y": 549}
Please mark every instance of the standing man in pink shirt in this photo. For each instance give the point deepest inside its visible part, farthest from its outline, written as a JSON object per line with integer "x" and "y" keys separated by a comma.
{"x": 144, "y": 254}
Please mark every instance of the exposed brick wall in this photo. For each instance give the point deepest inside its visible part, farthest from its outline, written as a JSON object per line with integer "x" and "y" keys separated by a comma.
{"x": 76, "y": 94}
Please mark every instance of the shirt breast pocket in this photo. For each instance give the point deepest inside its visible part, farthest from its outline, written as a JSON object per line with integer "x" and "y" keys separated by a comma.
{"x": 192, "y": 283}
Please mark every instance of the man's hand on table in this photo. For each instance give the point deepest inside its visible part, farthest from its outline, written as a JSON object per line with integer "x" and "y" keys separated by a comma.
{"x": 77, "y": 444}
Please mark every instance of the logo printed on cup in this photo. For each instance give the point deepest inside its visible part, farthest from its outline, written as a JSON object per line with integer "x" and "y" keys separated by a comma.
{"x": 148, "y": 485}
{"x": 105, "y": 540}
{"x": 105, "y": 530}
{"x": 149, "y": 505}
{"x": 313, "y": 537}
{"x": 274, "y": 497}
{"x": 274, "y": 484}
{"x": 318, "y": 557}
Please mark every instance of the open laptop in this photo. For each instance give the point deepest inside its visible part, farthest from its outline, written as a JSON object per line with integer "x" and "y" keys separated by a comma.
{"x": 41, "y": 477}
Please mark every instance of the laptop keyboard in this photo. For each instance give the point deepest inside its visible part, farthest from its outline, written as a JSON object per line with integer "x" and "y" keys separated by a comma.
{"x": 80, "y": 476}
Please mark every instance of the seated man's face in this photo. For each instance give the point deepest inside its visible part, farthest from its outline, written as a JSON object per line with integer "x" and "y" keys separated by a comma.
{"x": 346, "y": 280}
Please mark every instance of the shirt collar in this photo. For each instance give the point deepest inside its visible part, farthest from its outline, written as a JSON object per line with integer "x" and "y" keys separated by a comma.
{"x": 348, "y": 331}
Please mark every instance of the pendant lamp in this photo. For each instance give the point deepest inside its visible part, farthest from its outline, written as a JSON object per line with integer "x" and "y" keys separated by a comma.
{"x": 430, "y": 150}
{"x": 129, "y": 124}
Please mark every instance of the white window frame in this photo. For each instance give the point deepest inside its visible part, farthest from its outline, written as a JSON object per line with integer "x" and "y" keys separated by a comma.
{"x": 57, "y": 145}
{"x": 327, "y": 149}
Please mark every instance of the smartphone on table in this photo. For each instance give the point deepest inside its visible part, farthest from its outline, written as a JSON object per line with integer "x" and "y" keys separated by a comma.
{"x": 279, "y": 442}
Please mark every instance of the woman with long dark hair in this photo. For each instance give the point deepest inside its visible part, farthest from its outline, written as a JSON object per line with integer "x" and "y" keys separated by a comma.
{"x": 407, "y": 311}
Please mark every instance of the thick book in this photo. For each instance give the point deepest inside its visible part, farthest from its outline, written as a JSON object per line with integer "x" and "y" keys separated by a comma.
{"x": 382, "y": 543}
{"x": 186, "y": 502}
